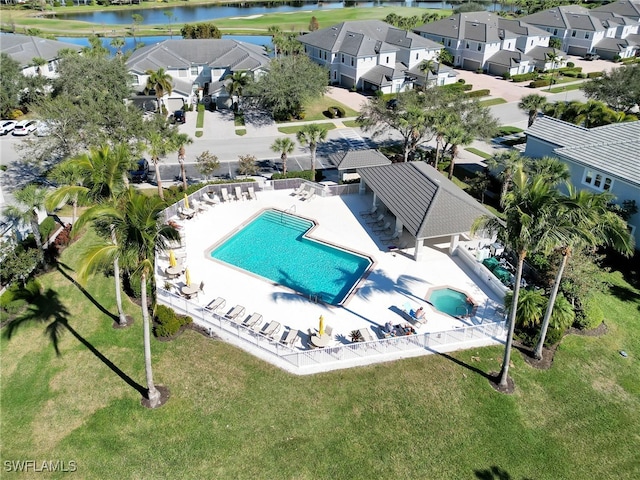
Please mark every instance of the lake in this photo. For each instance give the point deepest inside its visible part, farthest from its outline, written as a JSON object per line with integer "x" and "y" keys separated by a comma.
{"x": 200, "y": 13}
{"x": 129, "y": 42}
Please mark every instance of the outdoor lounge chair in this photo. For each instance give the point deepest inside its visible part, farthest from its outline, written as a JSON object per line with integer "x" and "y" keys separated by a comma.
{"x": 272, "y": 329}
{"x": 225, "y": 195}
{"x": 186, "y": 213}
{"x": 235, "y": 312}
{"x": 391, "y": 239}
{"x": 372, "y": 212}
{"x": 383, "y": 228}
{"x": 211, "y": 201}
{"x": 239, "y": 194}
{"x": 329, "y": 330}
{"x": 252, "y": 320}
{"x": 298, "y": 191}
{"x": 191, "y": 290}
{"x": 308, "y": 195}
{"x": 252, "y": 194}
{"x": 366, "y": 335}
{"x": 290, "y": 338}
{"x": 199, "y": 206}
{"x": 216, "y": 304}
{"x": 377, "y": 220}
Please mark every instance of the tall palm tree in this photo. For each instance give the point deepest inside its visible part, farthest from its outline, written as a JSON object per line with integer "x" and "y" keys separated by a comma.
{"x": 312, "y": 134}
{"x": 554, "y": 57}
{"x": 70, "y": 176}
{"x": 532, "y": 104}
{"x": 32, "y": 198}
{"x": 529, "y": 210}
{"x": 456, "y": 135}
{"x": 589, "y": 223}
{"x": 104, "y": 172}
{"x": 117, "y": 43}
{"x": 592, "y": 114}
{"x": 234, "y": 83}
{"x": 38, "y": 62}
{"x": 161, "y": 143}
{"x": 284, "y": 146}
{"x": 160, "y": 81}
{"x": 139, "y": 231}
{"x": 551, "y": 168}
{"x": 509, "y": 161}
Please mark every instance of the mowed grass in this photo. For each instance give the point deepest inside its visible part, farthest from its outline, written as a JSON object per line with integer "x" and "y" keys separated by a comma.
{"x": 231, "y": 415}
{"x": 316, "y": 109}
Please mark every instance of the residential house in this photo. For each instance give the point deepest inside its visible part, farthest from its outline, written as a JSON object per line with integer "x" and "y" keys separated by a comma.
{"x": 24, "y": 49}
{"x": 197, "y": 67}
{"x": 347, "y": 162}
{"x": 600, "y": 159}
{"x": 485, "y": 41}
{"x": 585, "y": 31}
{"x": 371, "y": 55}
{"x": 624, "y": 8}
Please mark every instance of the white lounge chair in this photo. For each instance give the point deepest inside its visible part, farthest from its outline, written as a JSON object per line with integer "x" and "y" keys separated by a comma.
{"x": 391, "y": 239}
{"x": 366, "y": 335}
{"x": 252, "y": 320}
{"x": 272, "y": 329}
{"x": 186, "y": 213}
{"x": 216, "y": 304}
{"x": 252, "y": 194}
{"x": 239, "y": 194}
{"x": 383, "y": 228}
{"x": 308, "y": 195}
{"x": 298, "y": 191}
{"x": 235, "y": 312}
{"x": 372, "y": 212}
{"x": 199, "y": 206}
{"x": 377, "y": 220}
{"x": 225, "y": 195}
{"x": 211, "y": 201}
{"x": 290, "y": 337}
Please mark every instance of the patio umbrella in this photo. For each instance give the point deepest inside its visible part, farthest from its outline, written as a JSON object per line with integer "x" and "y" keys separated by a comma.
{"x": 187, "y": 277}
{"x": 321, "y": 329}
{"x": 172, "y": 259}
{"x": 186, "y": 201}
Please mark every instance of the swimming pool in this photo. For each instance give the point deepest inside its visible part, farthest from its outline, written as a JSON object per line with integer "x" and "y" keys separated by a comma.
{"x": 274, "y": 246}
{"x": 450, "y": 301}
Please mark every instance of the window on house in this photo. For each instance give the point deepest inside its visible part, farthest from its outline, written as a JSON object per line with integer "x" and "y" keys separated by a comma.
{"x": 194, "y": 70}
{"x": 586, "y": 35}
{"x": 352, "y": 61}
{"x": 342, "y": 58}
{"x": 449, "y": 43}
{"x": 573, "y": 34}
{"x": 555, "y": 31}
{"x": 335, "y": 75}
{"x": 479, "y": 47}
{"x": 467, "y": 46}
{"x": 387, "y": 61}
{"x": 598, "y": 181}
{"x": 51, "y": 66}
{"x": 417, "y": 56}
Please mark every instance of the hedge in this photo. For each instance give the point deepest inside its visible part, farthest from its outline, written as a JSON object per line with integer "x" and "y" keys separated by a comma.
{"x": 168, "y": 322}
{"x": 479, "y": 93}
{"x": 594, "y": 74}
{"x": 540, "y": 83}
{"x": 523, "y": 77}
{"x": 570, "y": 69}
{"x": 464, "y": 87}
{"x": 306, "y": 174}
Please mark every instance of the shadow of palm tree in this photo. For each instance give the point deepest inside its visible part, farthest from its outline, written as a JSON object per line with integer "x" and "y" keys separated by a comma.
{"x": 61, "y": 267}
{"x": 46, "y": 307}
{"x": 494, "y": 473}
{"x": 462, "y": 364}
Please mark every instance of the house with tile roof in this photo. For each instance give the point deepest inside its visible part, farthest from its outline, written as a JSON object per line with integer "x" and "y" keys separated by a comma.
{"x": 600, "y": 159}
{"x": 372, "y": 55}
{"x": 197, "y": 67}
{"x": 624, "y": 8}
{"x": 488, "y": 42}
{"x": 347, "y": 162}
{"x": 583, "y": 31}
{"x": 24, "y": 48}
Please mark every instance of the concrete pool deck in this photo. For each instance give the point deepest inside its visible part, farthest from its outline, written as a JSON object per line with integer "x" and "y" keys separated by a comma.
{"x": 394, "y": 280}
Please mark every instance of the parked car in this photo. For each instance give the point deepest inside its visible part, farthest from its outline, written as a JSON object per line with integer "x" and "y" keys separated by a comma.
{"x": 179, "y": 117}
{"x": 25, "y": 127}
{"x": 6, "y": 126}
{"x": 591, "y": 56}
{"x": 140, "y": 175}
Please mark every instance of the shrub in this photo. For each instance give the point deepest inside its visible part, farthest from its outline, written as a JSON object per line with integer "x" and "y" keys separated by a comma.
{"x": 594, "y": 74}
{"x": 479, "y": 70}
{"x": 341, "y": 112}
{"x": 16, "y": 297}
{"x": 582, "y": 75}
{"x": 64, "y": 237}
{"x": 540, "y": 83}
{"x": 570, "y": 69}
{"x": 332, "y": 112}
{"x": 523, "y": 77}
{"x": 616, "y": 58}
{"x": 506, "y": 75}
{"x": 479, "y": 93}
{"x": 571, "y": 65}
{"x": 306, "y": 174}
{"x": 14, "y": 114}
{"x": 462, "y": 81}
{"x": 167, "y": 322}
{"x": 554, "y": 335}
{"x": 571, "y": 74}
{"x": 590, "y": 316}
{"x": 47, "y": 227}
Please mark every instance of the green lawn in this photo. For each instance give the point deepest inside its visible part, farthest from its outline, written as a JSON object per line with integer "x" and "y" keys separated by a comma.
{"x": 315, "y": 110}
{"x": 480, "y": 153}
{"x": 294, "y": 129}
{"x": 231, "y": 415}
{"x": 566, "y": 88}
{"x": 492, "y": 101}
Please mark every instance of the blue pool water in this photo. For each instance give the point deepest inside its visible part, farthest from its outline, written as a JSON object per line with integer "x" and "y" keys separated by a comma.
{"x": 450, "y": 301}
{"x": 273, "y": 246}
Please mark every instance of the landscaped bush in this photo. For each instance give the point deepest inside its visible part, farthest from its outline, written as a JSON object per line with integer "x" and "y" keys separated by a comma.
{"x": 479, "y": 93}
{"x": 590, "y": 316}
{"x": 458, "y": 87}
{"x": 571, "y": 65}
{"x": 594, "y": 74}
{"x": 462, "y": 80}
{"x": 47, "y": 227}
{"x": 306, "y": 174}
{"x": 571, "y": 73}
{"x": 506, "y": 75}
{"x": 554, "y": 335}
{"x": 167, "y": 322}
{"x": 523, "y": 77}
{"x": 570, "y": 69}
{"x": 540, "y": 83}
{"x": 582, "y": 75}
{"x": 16, "y": 297}
{"x": 341, "y": 112}
{"x": 332, "y": 112}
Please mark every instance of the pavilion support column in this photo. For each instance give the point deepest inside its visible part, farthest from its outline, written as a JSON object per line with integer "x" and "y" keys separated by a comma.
{"x": 399, "y": 226}
{"x": 419, "y": 251}
{"x": 455, "y": 239}
{"x": 362, "y": 189}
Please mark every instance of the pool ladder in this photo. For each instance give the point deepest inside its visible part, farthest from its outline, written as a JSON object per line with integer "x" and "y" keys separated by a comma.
{"x": 290, "y": 210}
{"x": 315, "y": 297}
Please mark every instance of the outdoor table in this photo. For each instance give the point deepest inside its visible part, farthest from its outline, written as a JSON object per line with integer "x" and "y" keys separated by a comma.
{"x": 320, "y": 341}
{"x": 189, "y": 290}
{"x": 174, "y": 272}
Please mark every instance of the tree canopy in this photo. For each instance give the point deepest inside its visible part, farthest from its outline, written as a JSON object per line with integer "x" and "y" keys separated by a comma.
{"x": 619, "y": 89}
{"x": 10, "y": 86}
{"x": 200, "y": 30}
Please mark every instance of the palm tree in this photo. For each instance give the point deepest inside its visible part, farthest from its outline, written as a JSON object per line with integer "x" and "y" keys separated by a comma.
{"x": 554, "y": 57}
{"x": 285, "y": 146}
{"x": 161, "y": 82}
{"x": 234, "y": 84}
{"x": 161, "y": 143}
{"x": 532, "y": 104}
{"x": 529, "y": 210}
{"x": 312, "y": 134}
{"x": 592, "y": 114}
{"x": 509, "y": 161}
{"x": 589, "y": 223}
{"x": 70, "y": 176}
{"x": 551, "y": 168}
{"x": 117, "y": 43}
{"x": 139, "y": 231}
{"x": 32, "y": 198}
{"x": 183, "y": 171}
{"x": 455, "y": 136}
{"x": 38, "y": 62}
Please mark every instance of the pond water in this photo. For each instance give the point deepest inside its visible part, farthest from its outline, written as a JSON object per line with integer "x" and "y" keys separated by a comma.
{"x": 199, "y": 13}
{"x": 129, "y": 43}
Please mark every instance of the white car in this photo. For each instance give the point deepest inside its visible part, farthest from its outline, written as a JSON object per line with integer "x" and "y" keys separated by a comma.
{"x": 6, "y": 126}
{"x": 25, "y": 127}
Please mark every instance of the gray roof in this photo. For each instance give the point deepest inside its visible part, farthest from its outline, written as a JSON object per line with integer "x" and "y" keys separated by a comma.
{"x": 427, "y": 204}
{"x": 611, "y": 148}
{"x": 357, "y": 159}
{"x": 569, "y": 17}
{"x": 216, "y": 53}
{"x": 23, "y": 48}
{"x": 382, "y": 76}
{"x": 508, "y": 58}
{"x": 626, "y": 8}
{"x": 540, "y": 53}
{"x": 365, "y": 38}
{"x": 482, "y": 27}
{"x": 611, "y": 44}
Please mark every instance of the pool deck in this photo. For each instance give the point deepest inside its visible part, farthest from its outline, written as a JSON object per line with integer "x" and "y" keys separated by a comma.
{"x": 394, "y": 280}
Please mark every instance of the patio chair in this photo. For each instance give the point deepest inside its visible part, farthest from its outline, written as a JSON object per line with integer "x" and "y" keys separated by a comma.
{"x": 239, "y": 194}
{"x": 290, "y": 338}
{"x": 216, "y": 304}
{"x": 372, "y": 212}
{"x": 391, "y": 239}
{"x": 377, "y": 220}
{"x": 186, "y": 213}
{"x": 272, "y": 330}
{"x": 199, "y": 206}
{"x": 252, "y": 194}
{"x": 329, "y": 330}
{"x": 235, "y": 312}
{"x": 298, "y": 191}
{"x": 385, "y": 227}
{"x": 225, "y": 195}
{"x": 211, "y": 201}
{"x": 308, "y": 195}
{"x": 366, "y": 335}
{"x": 252, "y": 320}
